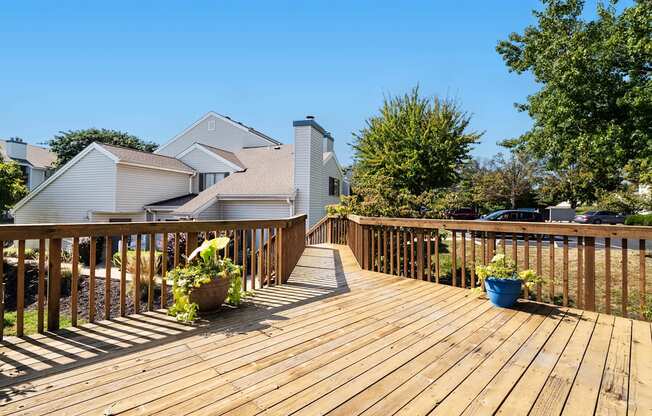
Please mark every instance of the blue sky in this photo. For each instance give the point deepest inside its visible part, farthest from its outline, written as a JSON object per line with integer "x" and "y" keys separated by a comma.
{"x": 152, "y": 68}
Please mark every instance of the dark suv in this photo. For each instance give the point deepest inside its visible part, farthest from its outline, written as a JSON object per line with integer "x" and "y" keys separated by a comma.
{"x": 520, "y": 215}
{"x": 599, "y": 217}
{"x": 462, "y": 214}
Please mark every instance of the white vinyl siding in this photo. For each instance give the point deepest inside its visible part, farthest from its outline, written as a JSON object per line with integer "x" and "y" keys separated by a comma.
{"x": 201, "y": 161}
{"x": 245, "y": 210}
{"x": 225, "y": 136}
{"x": 86, "y": 186}
{"x": 210, "y": 213}
{"x": 308, "y": 173}
{"x": 36, "y": 177}
{"x": 137, "y": 187}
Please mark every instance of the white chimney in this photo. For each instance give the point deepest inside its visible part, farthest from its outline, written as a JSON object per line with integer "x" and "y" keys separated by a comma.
{"x": 308, "y": 168}
{"x": 16, "y": 148}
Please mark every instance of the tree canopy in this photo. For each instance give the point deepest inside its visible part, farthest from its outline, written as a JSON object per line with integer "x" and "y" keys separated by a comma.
{"x": 67, "y": 144}
{"x": 593, "y": 114}
{"x": 413, "y": 148}
{"x": 12, "y": 184}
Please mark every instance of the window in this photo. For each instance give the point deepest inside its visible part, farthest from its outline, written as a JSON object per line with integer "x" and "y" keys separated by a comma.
{"x": 211, "y": 125}
{"x": 206, "y": 180}
{"x": 333, "y": 186}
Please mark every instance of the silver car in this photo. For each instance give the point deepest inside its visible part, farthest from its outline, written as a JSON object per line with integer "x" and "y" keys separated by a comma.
{"x": 600, "y": 217}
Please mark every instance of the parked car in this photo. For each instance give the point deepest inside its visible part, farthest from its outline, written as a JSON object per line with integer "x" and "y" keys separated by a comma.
{"x": 521, "y": 215}
{"x": 600, "y": 217}
{"x": 462, "y": 214}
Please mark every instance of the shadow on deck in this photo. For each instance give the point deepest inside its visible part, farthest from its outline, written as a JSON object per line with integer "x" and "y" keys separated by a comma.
{"x": 341, "y": 340}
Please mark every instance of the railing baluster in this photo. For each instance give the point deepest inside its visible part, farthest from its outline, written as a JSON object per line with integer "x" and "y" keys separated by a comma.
{"x": 2, "y": 290}
{"x": 177, "y": 237}
{"x": 152, "y": 270}
{"x": 164, "y": 271}
{"x": 405, "y": 254}
{"x": 607, "y": 275}
{"x": 74, "y": 284}
{"x": 589, "y": 273}
{"x": 515, "y": 249}
{"x": 539, "y": 266}
{"x": 244, "y": 260}
{"x": 108, "y": 252}
{"x": 420, "y": 274}
{"x": 391, "y": 251}
{"x": 565, "y": 271}
{"x": 20, "y": 289}
{"x": 412, "y": 268}
{"x": 385, "y": 260}
{"x": 473, "y": 259}
{"x": 54, "y": 284}
{"x": 41, "y": 285}
{"x": 124, "y": 263}
{"x": 624, "y": 289}
{"x": 437, "y": 264}
{"x": 526, "y": 261}
{"x": 454, "y": 258}
{"x": 260, "y": 258}
{"x": 641, "y": 278}
{"x": 429, "y": 257}
{"x": 463, "y": 268}
{"x": 268, "y": 264}
{"x": 91, "y": 279}
{"x": 580, "y": 271}
{"x": 136, "y": 278}
{"x": 551, "y": 281}
{"x": 252, "y": 255}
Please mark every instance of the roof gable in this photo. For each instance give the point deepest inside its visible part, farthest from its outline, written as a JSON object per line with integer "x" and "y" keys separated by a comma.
{"x": 218, "y": 131}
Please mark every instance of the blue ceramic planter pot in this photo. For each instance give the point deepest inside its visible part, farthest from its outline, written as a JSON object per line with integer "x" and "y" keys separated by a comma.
{"x": 502, "y": 292}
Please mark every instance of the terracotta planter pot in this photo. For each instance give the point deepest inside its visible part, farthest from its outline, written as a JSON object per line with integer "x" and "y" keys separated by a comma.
{"x": 210, "y": 296}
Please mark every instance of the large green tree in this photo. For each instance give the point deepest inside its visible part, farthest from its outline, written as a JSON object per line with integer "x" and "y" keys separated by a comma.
{"x": 414, "y": 147}
{"x": 593, "y": 114}
{"x": 12, "y": 184}
{"x": 67, "y": 144}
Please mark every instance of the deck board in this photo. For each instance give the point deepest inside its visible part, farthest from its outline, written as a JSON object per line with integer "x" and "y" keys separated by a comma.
{"x": 341, "y": 341}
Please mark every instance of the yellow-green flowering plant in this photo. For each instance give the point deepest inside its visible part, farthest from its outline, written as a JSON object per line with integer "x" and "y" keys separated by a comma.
{"x": 500, "y": 267}
{"x": 205, "y": 265}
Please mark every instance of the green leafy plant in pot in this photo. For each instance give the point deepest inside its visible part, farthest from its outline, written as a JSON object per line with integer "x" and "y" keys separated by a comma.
{"x": 503, "y": 282}
{"x": 206, "y": 282}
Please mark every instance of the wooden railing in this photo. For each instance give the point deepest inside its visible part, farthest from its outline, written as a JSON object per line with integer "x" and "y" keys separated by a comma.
{"x": 603, "y": 268}
{"x": 328, "y": 230}
{"x": 267, "y": 250}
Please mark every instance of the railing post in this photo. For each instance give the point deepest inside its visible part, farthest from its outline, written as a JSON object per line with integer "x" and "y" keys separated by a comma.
{"x": 589, "y": 273}
{"x": 54, "y": 283}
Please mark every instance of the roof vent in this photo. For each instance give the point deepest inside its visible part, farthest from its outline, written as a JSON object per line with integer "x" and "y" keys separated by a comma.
{"x": 310, "y": 117}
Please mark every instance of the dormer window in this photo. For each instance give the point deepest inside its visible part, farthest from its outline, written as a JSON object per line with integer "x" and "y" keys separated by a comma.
{"x": 206, "y": 180}
{"x": 211, "y": 125}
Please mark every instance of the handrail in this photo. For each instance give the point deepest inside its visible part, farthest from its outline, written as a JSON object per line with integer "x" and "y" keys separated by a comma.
{"x": 594, "y": 267}
{"x": 270, "y": 260}
{"x": 570, "y": 229}
{"x": 37, "y": 231}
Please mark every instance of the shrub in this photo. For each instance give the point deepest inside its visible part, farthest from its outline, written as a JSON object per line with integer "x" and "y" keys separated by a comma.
{"x": 30, "y": 253}
{"x": 639, "y": 219}
{"x": 85, "y": 249}
{"x": 144, "y": 262}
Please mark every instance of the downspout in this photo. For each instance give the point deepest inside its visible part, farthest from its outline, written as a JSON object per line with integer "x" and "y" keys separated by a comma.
{"x": 190, "y": 182}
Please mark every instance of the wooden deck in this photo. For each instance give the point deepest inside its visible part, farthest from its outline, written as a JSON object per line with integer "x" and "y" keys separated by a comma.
{"x": 339, "y": 340}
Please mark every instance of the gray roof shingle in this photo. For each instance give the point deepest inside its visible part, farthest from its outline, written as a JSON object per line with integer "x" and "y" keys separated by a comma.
{"x": 269, "y": 171}
{"x": 147, "y": 159}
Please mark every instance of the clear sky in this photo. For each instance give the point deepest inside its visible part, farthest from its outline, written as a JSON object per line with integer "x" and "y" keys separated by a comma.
{"x": 152, "y": 68}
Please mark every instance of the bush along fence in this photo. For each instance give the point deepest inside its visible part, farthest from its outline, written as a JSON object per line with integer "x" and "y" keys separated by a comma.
{"x": 267, "y": 251}
{"x": 603, "y": 268}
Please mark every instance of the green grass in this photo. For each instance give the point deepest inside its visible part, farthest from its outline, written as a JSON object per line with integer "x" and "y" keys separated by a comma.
{"x": 30, "y": 322}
